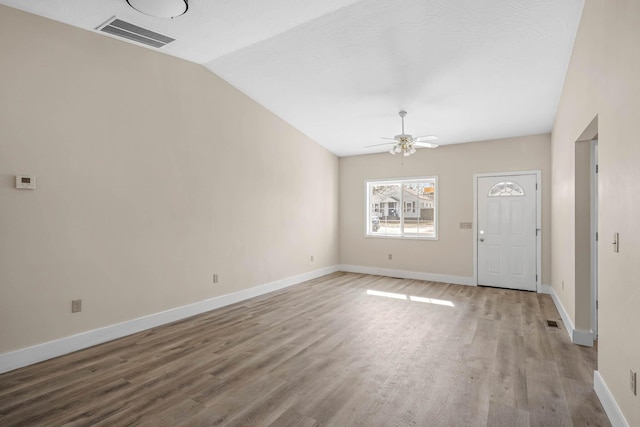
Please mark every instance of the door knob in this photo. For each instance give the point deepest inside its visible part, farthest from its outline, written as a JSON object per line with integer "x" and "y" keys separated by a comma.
{"x": 481, "y": 237}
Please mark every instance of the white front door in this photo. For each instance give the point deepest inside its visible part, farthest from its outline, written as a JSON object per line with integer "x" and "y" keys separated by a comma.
{"x": 506, "y": 231}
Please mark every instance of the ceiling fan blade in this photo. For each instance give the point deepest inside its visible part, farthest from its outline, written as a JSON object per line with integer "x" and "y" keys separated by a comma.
{"x": 391, "y": 139}
{"x": 426, "y": 144}
{"x": 425, "y": 138}
{"x": 376, "y": 145}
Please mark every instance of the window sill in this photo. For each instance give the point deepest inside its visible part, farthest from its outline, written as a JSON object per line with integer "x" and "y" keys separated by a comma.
{"x": 371, "y": 236}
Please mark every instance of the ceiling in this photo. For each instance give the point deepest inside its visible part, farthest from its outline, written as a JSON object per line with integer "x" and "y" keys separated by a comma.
{"x": 340, "y": 70}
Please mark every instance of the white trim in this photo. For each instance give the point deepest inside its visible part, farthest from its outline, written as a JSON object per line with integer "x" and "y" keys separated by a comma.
{"x": 577, "y": 336}
{"x": 582, "y": 337}
{"x": 405, "y": 274}
{"x": 538, "y": 175}
{"x": 616, "y": 417}
{"x": 48, "y": 350}
{"x": 593, "y": 184}
{"x": 474, "y": 229}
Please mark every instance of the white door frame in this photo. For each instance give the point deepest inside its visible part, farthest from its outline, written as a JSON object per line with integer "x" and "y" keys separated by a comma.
{"x": 594, "y": 243}
{"x": 538, "y": 175}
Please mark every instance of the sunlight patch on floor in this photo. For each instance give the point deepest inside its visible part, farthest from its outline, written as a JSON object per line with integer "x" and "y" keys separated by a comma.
{"x": 432, "y": 301}
{"x": 386, "y": 294}
{"x": 410, "y": 297}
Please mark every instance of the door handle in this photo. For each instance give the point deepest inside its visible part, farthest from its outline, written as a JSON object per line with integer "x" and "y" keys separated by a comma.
{"x": 481, "y": 237}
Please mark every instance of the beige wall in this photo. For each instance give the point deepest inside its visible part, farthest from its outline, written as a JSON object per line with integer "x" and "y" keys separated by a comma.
{"x": 455, "y": 165}
{"x": 603, "y": 80}
{"x": 153, "y": 174}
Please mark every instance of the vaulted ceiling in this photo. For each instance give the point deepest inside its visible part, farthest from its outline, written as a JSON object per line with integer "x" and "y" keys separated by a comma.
{"x": 340, "y": 70}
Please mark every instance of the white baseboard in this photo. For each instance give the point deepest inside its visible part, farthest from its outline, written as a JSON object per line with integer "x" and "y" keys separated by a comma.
{"x": 577, "y": 336}
{"x": 582, "y": 337}
{"x": 609, "y": 404}
{"x": 405, "y": 274}
{"x": 48, "y": 350}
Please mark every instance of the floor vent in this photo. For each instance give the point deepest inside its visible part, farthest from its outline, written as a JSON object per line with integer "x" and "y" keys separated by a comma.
{"x": 552, "y": 324}
{"x": 126, "y": 30}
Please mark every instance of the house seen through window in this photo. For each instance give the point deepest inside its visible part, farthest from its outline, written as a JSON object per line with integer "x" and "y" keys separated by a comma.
{"x": 402, "y": 208}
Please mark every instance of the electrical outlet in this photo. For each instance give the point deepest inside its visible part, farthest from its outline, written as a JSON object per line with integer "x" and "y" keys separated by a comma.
{"x": 311, "y": 258}
{"x": 390, "y": 257}
{"x": 215, "y": 278}
{"x": 76, "y": 306}
{"x": 633, "y": 383}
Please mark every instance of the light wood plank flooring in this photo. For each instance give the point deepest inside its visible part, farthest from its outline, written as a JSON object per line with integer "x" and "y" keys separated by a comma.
{"x": 327, "y": 353}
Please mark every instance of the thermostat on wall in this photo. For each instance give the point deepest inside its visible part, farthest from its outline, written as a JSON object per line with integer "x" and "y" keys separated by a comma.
{"x": 26, "y": 182}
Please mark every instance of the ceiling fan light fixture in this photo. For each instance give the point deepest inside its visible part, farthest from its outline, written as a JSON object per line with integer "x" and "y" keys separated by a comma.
{"x": 160, "y": 8}
{"x": 405, "y": 143}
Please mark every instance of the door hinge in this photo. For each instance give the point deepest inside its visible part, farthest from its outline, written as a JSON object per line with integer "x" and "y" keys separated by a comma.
{"x": 597, "y": 304}
{"x": 596, "y": 168}
{"x": 536, "y": 185}
{"x": 596, "y": 236}
{"x": 536, "y": 278}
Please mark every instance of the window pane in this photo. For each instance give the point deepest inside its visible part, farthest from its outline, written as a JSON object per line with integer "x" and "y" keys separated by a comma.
{"x": 385, "y": 213}
{"x": 420, "y": 221}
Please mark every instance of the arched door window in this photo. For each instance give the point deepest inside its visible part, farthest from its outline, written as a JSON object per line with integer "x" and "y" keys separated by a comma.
{"x": 506, "y": 189}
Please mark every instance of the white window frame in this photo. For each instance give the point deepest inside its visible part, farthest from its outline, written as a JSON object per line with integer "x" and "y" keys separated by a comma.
{"x": 401, "y": 202}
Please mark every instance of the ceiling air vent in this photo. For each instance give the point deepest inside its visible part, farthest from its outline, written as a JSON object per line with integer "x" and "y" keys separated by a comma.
{"x": 120, "y": 28}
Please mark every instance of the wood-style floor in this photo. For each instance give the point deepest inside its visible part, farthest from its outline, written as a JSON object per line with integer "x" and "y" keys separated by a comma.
{"x": 327, "y": 353}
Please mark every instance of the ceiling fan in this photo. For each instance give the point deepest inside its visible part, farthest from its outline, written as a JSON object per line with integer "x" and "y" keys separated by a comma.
{"x": 406, "y": 144}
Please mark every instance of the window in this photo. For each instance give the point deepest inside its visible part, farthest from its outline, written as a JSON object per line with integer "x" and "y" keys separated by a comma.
{"x": 506, "y": 189}
{"x": 402, "y": 208}
{"x": 410, "y": 207}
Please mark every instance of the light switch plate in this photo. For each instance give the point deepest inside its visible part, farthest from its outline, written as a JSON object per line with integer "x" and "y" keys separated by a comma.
{"x": 26, "y": 182}
{"x": 466, "y": 226}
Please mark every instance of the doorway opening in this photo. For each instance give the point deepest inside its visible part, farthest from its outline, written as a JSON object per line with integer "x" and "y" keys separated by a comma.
{"x": 586, "y": 236}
